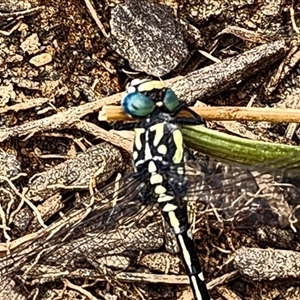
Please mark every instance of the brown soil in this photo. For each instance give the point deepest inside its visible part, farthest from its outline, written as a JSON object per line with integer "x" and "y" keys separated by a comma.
{"x": 58, "y": 70}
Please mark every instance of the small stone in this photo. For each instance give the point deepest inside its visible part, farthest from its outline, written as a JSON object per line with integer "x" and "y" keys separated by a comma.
{"x": 6, "y": 93}
{"x": 31, "y": 45}
{"x": 41, "y": 59}
{"x": 16, "y": 58}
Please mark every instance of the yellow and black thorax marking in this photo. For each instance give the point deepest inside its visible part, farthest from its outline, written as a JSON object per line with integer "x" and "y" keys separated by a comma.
{"x": 159, "y": 155}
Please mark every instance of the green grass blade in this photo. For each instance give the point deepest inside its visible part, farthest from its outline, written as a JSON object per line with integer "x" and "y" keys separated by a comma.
{"x": 241, "y": 151}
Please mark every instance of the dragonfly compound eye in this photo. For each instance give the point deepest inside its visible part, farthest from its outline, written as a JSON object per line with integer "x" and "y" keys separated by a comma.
{"x": 137, "y": 104}
{"x": 171, "y": 101}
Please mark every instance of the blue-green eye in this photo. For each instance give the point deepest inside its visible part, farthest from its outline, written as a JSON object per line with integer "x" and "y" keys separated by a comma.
{"x": 170, "y": 101}
{"x": 137, "y": 104}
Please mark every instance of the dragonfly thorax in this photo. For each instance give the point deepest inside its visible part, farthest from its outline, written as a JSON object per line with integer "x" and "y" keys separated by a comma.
{"x": 158, "y": 139}
{"x": 158, "y": 154}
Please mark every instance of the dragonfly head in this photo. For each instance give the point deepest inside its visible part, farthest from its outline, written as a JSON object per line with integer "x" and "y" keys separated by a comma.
{"x": 143, "y": 96}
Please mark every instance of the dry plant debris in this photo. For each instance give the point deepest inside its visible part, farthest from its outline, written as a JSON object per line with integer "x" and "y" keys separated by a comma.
{"x": 57, "y": 72}
{"x": 262, "y": 264}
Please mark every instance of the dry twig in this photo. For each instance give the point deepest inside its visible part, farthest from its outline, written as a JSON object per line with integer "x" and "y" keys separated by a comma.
{"x": 224, "y": 113}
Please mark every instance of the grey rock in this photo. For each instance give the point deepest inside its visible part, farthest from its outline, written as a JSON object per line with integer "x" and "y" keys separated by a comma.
{"x": 148, "y": 36}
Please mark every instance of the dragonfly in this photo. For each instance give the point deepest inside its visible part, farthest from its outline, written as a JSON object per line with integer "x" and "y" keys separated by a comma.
{"x": 167, "y": 177}
{"x": 160, "y": 156}
{"x": 173, "y": 174}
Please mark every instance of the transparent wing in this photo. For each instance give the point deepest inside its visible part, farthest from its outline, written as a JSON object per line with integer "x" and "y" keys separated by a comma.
{"x": 101, "y": 226}
{"x": 107, "y": 231}
{"x": 246, "y": 197}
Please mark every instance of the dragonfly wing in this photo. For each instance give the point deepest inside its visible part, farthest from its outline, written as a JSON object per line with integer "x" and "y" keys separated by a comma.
{"x": 97, "y": 228}
{"x": 244, "y": 196}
